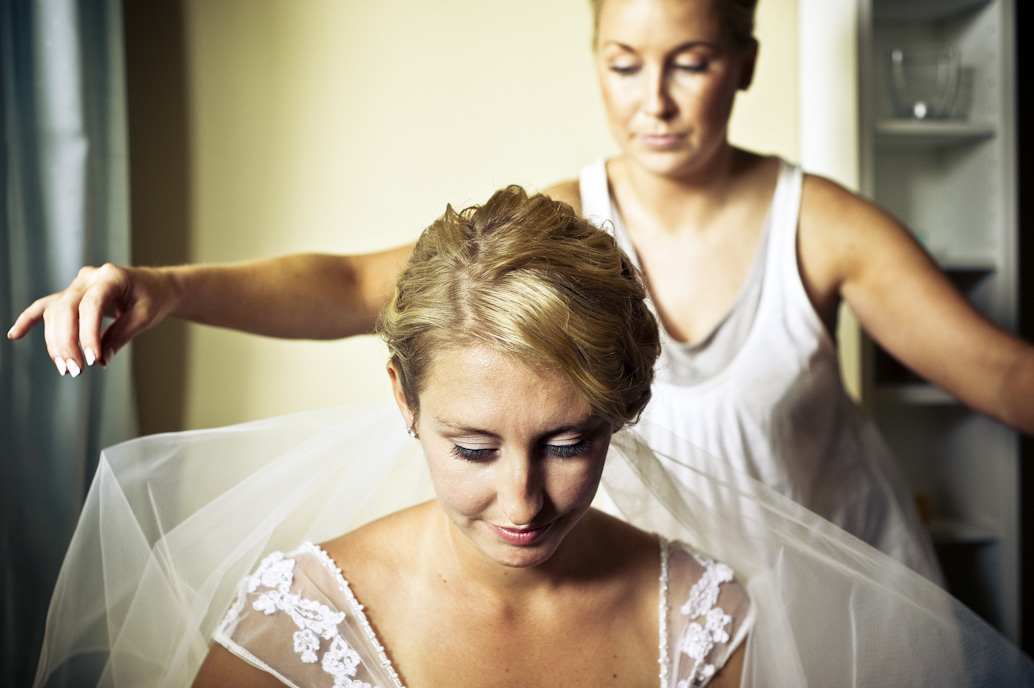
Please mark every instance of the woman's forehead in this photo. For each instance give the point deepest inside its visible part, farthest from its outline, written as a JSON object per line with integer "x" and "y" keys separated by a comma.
{"x": 477, "y": 384}
{"x": 479, "y": 362}
{"x": 682, "y": 20}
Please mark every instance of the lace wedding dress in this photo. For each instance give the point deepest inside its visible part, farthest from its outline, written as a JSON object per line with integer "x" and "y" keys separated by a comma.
{"x": 297, "y": 618}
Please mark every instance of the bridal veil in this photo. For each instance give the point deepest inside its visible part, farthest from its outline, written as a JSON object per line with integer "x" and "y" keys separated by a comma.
{"x": 172, "y": 522}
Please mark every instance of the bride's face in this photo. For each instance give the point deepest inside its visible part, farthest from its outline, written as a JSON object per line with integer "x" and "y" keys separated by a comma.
{"x": 515, "y": 456}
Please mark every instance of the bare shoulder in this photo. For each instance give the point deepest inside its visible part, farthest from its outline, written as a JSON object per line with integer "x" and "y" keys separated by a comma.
{"x": 850, "y": 248}
{"x": 569, "y": 192}
{"x": 375, "y": 549}
{"x": 841, "y": 231}
{"x": 843, "y": 224}
{"x": 825, "y": 203}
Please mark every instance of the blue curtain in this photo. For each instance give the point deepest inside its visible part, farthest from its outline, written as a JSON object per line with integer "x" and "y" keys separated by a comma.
{"x": 65, "y": 204}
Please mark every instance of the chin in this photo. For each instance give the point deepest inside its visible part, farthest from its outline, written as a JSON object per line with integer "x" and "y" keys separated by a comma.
{"x": 525, "y": 557}
{"x": 664, "y": 163}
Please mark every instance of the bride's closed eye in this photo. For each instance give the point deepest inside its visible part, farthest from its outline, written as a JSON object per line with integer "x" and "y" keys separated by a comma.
{"x": 567, "y": 451}
{"x": 468, "y": 454}
{"x": 557, "y": 450}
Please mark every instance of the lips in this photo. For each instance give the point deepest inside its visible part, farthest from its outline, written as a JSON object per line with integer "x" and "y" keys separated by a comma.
{"x": 661, "y": 140}
{"x": 521, "y": 536}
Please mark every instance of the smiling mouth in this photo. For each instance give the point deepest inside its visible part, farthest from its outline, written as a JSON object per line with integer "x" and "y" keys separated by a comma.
{"x": 521, "y": 536}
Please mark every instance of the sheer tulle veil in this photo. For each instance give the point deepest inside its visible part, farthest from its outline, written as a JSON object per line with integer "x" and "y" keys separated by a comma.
{"x": 172, "y": 522}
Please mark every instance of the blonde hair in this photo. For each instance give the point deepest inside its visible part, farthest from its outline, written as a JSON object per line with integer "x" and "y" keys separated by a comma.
{"x": 738, "y": 16}
{"x": 529, "y": 278}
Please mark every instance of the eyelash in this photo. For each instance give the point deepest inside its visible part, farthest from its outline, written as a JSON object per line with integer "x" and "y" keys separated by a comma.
{"x": 559, "y": 451}
{"x": 473, "y": 455}
{"x": 692, "y": 69}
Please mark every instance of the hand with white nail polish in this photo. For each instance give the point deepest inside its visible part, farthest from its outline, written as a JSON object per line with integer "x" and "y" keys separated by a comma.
{"x": 137, "y": 298}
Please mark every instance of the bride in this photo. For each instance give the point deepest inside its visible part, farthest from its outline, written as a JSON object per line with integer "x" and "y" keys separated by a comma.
{"x": 520, "y": 345}
{"x": 519, "y": 342}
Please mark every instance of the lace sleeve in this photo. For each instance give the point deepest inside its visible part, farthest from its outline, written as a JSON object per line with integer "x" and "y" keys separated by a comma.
{"x": 709, "y": 615}
{"x": 296, "y": 618}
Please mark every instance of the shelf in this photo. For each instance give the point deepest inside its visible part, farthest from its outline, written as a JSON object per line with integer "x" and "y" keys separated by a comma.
{"x": 929, "y": 134}
{"x": 953, "y": 182}
{"x": 950, "y": 532}
{"x": 923, "y": 10}
{"x": 966, "y": 268}
{"x": 913, "y": 393}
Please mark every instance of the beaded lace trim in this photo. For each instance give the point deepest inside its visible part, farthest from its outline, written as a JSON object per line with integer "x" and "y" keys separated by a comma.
{"x": 357, "y": 610}
{"x": 317, "y": 621}
{"x": 662, "y": 613}
{"x": 700, "y": 638}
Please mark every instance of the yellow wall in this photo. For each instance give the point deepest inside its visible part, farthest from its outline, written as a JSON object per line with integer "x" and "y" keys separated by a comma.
{"x": 828, "y": 122}
{"x": 766, "y": 116}
{"x": 345, "y": 126}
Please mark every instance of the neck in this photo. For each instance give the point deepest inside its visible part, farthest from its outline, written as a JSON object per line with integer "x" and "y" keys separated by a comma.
{"x": 688, "y": 198}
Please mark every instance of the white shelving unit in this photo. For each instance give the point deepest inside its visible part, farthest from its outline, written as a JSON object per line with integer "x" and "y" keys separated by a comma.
{"x": 953, "y": 182}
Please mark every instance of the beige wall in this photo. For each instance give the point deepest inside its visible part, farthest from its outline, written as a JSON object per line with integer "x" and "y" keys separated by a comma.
{"x": 345, "y": 126}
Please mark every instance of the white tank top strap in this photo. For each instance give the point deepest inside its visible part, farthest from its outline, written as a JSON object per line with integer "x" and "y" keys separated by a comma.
{"x": 595, "y": 192}
{"x": 784, "y": 262}
{"x": 784, "y": 220}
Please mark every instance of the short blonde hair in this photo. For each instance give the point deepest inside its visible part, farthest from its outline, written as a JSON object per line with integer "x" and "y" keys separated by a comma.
{"x": 738, "y": 16}
{"x": 530, "y": 278}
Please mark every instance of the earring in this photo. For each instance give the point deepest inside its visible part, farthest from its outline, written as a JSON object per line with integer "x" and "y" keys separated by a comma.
{"x": 410, "y": 431}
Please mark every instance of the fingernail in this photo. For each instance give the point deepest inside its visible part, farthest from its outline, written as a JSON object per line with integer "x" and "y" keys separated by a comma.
{"x": 73, "y": 368}
{"x": 90, "y": 358}
{"x": 10, "y": 333}
{"x": 109, "y": 354}
{"x": 60, "y": 363}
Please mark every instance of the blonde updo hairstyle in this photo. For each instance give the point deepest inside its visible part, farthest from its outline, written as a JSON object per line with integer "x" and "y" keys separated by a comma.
{"x": 738, "y": 16}
{"x": 529, "y": 278}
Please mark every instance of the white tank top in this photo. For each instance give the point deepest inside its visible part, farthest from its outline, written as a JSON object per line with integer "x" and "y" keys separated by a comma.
{"x": 763, "y": 392}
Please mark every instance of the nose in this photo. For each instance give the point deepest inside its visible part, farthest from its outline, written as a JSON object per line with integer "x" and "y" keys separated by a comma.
{"x": 520, "y": 490}
{"x": 657, "y": 100}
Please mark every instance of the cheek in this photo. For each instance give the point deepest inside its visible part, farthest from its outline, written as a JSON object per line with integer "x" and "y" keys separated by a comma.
{"x": 577, "y": 484}
{"x": 461, "y": 488}
{"x": 619, "y": 99}
{"x": 711, "y": 99}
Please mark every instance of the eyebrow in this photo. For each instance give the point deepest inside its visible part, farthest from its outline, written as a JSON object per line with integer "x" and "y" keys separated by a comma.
{"x": 583, "y": 425}
{"x": 677, "y": 49}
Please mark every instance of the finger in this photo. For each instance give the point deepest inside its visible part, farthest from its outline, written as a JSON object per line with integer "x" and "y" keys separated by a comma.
{"x": 61, "y": 331}
{"x": 94, "y": 292}
{"x": 30, "y": 317}
{"x": 128, "y": 325}
{"x": 91, "y": 315}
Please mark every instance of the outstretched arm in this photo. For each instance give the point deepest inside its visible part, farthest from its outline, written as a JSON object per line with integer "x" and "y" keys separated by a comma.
{"x": 305, "y": 296}
{"x": 905, "y": 303}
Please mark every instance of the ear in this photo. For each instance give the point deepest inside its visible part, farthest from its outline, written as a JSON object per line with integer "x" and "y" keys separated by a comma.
{"x": 750, "y": 60}
{"x": 408, "y": 416}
